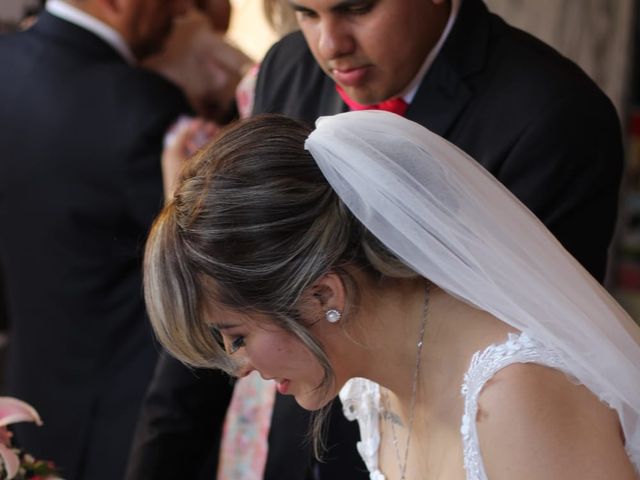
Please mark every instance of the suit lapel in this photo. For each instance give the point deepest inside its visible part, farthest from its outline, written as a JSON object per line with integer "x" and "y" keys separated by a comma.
{"x": 440, "y": 100}
{"x": 444, "y": 92}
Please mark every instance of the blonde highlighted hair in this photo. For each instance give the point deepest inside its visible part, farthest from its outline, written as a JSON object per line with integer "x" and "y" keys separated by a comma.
{"x": 252, "y": 225}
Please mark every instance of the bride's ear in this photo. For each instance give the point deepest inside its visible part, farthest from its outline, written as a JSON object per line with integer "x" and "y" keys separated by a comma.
{"x": 329, "y": 293}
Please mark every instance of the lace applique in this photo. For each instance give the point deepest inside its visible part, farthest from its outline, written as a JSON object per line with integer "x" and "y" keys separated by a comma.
{"x": 484, "y": 365}
{"x": 361, "y": 401}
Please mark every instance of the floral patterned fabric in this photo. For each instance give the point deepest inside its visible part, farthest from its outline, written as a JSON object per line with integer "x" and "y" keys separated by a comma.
{"x": 243, "y": 453}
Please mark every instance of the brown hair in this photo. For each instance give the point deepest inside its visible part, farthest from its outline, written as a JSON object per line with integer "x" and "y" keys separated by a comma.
{"x": 253, "y": 223}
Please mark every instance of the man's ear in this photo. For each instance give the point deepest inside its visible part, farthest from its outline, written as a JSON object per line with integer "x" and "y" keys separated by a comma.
{"x": 330, "y": 292}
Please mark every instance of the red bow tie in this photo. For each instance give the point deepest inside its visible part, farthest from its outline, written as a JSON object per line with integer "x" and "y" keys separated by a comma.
{"x": 395, "y": 105}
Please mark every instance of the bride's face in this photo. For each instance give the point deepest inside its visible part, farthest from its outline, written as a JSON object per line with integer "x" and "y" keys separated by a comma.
{"x": 255, "y": 342}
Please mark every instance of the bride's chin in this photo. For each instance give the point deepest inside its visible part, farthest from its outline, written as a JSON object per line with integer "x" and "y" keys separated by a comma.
{"x": 313, "y": 401}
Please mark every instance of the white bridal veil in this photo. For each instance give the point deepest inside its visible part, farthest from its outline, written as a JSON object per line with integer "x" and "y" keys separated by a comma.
{"x": 451, "y": 221}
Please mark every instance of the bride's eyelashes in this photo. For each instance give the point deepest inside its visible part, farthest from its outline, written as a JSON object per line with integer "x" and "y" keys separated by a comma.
{"x": 236, "y": 344}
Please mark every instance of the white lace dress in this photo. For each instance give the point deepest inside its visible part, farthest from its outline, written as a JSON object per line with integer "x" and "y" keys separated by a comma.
{"x": 361, "y": 399}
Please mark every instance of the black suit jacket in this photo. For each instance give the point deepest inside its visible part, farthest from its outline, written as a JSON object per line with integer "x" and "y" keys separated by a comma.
{"x": 80, "y": 182}
{"x": 530, "y": 116}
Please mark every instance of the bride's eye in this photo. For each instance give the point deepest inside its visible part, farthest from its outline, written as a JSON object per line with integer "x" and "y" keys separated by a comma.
{"x": 236, "y": 344}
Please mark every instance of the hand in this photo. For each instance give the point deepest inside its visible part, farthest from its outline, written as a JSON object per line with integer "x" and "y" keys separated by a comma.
{"x": 222, "y": 67}
{"x": 181, "y": 142}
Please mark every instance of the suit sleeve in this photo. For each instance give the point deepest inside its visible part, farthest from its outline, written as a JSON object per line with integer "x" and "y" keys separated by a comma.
{"x": 4, "y": 314}
{"x": 566, "y": 167}
{"x": 179, "y": 431}
{"x": 156, "y": 110}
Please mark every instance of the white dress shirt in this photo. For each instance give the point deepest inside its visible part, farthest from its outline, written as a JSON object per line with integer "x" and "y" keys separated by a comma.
{"x": 82, "y": 19}
{"x": 412, "y": 89}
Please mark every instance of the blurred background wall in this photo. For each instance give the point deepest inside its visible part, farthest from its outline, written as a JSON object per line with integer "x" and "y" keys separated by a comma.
{"x": 248, "y": 16}
{"x": 12, "y": 10}
{"x": 596, "y": 34}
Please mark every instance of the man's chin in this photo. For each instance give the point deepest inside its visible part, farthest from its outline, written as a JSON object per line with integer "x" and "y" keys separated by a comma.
{"x": 365, "y": 96}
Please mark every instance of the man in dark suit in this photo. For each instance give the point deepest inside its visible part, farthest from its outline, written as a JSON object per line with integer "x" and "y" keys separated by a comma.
{"x": 80, "y": 183}
{"x": 530, "y": 116}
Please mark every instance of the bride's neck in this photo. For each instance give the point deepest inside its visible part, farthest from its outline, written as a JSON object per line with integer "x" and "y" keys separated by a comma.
{"x": 392, "y": 325}
{"x": 454, "y": 331}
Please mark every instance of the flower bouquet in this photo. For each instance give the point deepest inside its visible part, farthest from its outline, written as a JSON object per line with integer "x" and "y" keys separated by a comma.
{"x": 15, "y": 464}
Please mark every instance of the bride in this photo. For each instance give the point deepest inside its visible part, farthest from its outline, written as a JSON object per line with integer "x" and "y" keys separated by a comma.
{"x": 373, "y": 257}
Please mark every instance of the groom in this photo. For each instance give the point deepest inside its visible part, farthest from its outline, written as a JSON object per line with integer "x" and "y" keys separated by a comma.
{"x": 527, "y": 114}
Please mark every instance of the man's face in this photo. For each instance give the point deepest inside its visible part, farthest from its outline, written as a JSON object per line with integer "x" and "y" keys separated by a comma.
{"x": 146, "y": 24}
{"x": 372, "y": 48}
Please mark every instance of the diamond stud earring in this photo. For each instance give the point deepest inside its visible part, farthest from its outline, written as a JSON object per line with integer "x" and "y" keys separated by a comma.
{"x": 333, "y": 315}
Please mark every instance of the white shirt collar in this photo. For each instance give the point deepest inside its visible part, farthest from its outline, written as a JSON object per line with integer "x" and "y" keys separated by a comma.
{"x": 74, "y": 15}
{"x": 412, "y": 89}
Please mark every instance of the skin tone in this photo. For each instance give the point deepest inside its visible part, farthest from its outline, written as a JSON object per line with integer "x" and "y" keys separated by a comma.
{"x": 550, "y": 428}
{"x": 533, "y": 421}
{"x": 257, "y": 344}
{"x": 372, "y": 48}
{"x": 144, "y": 24}
{"x": 218, "y": 13}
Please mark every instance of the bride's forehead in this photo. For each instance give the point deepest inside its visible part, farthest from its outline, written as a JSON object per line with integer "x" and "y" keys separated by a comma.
{"x": 222, "y": 317}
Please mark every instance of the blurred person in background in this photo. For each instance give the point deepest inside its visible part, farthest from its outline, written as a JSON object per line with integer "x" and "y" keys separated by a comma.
{"x": 218, "y": 12}
{"x": 80, "y": 182}
{"x": 202, "y": 62}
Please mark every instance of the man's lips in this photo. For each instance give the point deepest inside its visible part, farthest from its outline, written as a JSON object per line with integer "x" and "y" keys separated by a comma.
{"x": 349, "y": 77}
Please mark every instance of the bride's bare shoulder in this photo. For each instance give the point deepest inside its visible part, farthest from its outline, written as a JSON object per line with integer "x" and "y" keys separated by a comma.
{"x": 534, "y": 422}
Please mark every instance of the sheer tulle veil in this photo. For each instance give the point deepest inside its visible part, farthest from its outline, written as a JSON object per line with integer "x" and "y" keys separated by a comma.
{"x": 452, "y": 222}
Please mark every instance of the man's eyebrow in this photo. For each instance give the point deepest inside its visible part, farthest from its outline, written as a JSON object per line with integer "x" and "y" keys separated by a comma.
{"x": 299, "y": 8}
{"x": 348, "y": 3}
{"x": 337, "y": 7}
{"x": 296, "y": 6}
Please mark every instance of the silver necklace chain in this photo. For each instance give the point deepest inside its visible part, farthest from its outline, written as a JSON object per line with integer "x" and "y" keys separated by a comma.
{"x": 402, "y": 465}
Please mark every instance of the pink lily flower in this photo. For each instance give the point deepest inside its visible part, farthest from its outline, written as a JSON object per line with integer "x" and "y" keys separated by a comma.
{"x": 13, "y": 410}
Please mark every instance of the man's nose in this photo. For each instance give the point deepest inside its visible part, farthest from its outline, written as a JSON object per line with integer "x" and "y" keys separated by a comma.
{"x": 335, "y": 39}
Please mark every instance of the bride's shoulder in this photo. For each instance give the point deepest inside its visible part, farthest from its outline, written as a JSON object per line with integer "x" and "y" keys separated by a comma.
{"x": 534, "y": 422}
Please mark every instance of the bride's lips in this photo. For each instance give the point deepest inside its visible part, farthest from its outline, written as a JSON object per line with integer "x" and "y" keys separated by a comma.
{"x": 349, "y": 77}
{"x": 282, "y": 386}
